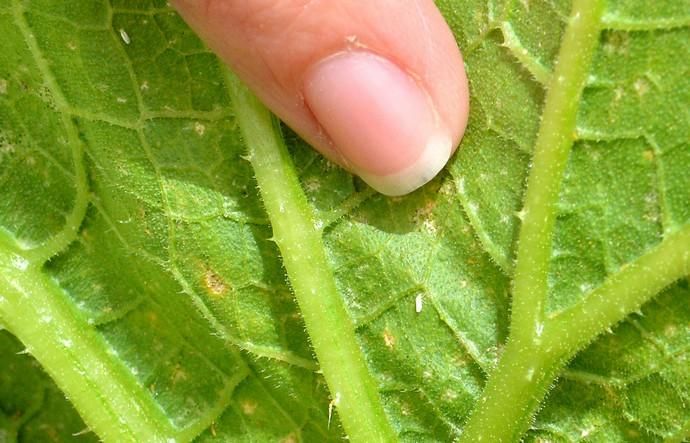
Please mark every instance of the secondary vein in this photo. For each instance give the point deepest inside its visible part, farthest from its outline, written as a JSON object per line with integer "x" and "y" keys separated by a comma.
{"x": 622, "y": 293}
{"x": 58, "y": 242}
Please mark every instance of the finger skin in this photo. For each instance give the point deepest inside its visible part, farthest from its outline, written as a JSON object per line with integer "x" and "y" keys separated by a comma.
{"x": 272, "y": 44}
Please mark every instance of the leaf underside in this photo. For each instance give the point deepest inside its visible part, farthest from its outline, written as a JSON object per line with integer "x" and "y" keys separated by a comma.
{"x": 173, "y": 266}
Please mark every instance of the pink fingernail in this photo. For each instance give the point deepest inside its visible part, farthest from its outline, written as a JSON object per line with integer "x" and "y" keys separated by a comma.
{"x": 379, "y": 119}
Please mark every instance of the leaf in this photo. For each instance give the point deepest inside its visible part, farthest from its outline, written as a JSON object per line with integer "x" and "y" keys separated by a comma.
{"x": 173, "y": 285}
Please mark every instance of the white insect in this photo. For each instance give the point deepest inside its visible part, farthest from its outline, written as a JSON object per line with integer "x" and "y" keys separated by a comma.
{"x": 418, "y": 303}
{"x": 125, "y": 37}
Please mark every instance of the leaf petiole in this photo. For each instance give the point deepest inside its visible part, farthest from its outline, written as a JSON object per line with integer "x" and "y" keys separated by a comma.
{"x": 332, "y": 332}
{"x": 109, "y": 398}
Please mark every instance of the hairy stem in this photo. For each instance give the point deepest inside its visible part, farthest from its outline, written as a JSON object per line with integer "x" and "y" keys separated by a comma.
{"x": 539, "y": 347}
{"x": 108, "y": 397}
{"x": 526, "y": 369}
{"x": 621, "y": 294}
{"x": 554, "y": 141}
{"x": 329, "y": 326}
{"x": 514, "y": 391}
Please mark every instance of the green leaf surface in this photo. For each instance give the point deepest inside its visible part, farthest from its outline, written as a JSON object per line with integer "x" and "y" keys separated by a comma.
{"x": 142, "y": 270}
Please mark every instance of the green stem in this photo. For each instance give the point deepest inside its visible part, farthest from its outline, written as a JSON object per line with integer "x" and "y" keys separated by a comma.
{"x": 106, "y": 394}
{"x": 8, "y": 242}
{"x": 621, "y": 294}
{"x": 329, "y": 326}
{"x": 527, "y": 369}
{"x": 554, "y": 141}
{"x": 514, "y": 391}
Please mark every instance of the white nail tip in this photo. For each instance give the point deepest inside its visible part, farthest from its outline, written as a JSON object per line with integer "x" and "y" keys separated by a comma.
{"x": 427, "y": 166}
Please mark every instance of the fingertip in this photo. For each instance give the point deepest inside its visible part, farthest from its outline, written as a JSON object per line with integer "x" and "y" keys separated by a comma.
{"x": 433, "y": 158}
{"x": 391, "y": 108}
{"x": 380, "y": 119}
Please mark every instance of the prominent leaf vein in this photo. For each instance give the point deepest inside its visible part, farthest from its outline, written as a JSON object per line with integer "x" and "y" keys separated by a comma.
{"x": 329, "y": 326}
{"x": 59, "y": 241}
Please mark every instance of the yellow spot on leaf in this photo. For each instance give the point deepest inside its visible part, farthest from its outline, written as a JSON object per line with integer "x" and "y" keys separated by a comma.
{"x": 248, "y": 407}
{"x": 641, "y": 86}
{"x": 214, "y": 284}
{"x": 389, "y": 339}
{"x": 178, "y": 375}
{"x": 152, "y": 317}
{"x": 670, "y": 330}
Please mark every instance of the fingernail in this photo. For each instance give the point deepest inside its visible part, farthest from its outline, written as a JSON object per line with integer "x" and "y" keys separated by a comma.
{"x": 379, "y": 119}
